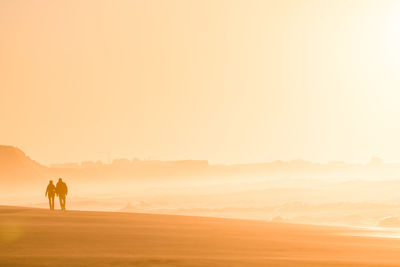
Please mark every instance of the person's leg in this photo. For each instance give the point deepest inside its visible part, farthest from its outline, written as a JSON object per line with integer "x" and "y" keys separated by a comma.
{"x": 61, "y": 202}
{"x": 62, "y": 199}
{"x": 50, "y": 202}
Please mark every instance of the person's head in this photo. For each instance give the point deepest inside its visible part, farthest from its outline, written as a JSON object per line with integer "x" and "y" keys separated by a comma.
{"x": 51, "y": 181}
{"x": 59, "y": 179}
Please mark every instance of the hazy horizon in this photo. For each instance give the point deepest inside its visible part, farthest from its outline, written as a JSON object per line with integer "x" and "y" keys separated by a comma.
{"x": 106, "y": 160}
{"x": 109, "y": 160}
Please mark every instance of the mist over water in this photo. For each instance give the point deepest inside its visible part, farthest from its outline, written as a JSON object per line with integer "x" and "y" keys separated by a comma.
{"x": 295, "y": 192}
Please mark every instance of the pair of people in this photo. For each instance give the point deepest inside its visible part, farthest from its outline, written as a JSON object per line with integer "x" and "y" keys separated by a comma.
{"x": 61, "y": 190}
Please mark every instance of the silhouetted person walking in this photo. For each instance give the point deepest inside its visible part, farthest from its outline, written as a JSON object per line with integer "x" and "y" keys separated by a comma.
{"x": 50, "y": 193}
{"x": 61, "y": 191}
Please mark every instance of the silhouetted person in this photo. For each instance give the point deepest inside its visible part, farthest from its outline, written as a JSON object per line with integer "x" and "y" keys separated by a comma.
{"x": 50, "y": 193}
{"x": 61, "y": 191}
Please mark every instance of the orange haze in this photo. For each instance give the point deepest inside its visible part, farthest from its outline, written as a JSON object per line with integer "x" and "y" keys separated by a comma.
{"x": 227, "y": 81}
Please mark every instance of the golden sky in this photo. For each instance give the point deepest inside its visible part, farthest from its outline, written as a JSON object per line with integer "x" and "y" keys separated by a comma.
{"x": 229, "y": 81}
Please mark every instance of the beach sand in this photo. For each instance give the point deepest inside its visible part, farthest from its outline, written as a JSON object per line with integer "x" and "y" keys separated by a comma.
{"x": 39, "y": 237}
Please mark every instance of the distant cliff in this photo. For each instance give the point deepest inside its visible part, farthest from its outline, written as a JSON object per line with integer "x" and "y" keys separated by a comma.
{"x": 17, "y": 168}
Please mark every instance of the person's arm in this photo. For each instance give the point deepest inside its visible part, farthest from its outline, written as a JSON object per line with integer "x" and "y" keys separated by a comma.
{"x": 66, "y": 189}
{"x": 47, "y": 190}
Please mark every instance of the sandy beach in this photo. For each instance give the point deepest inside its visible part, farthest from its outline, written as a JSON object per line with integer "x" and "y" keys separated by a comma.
{"x": 38, "y": 237}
